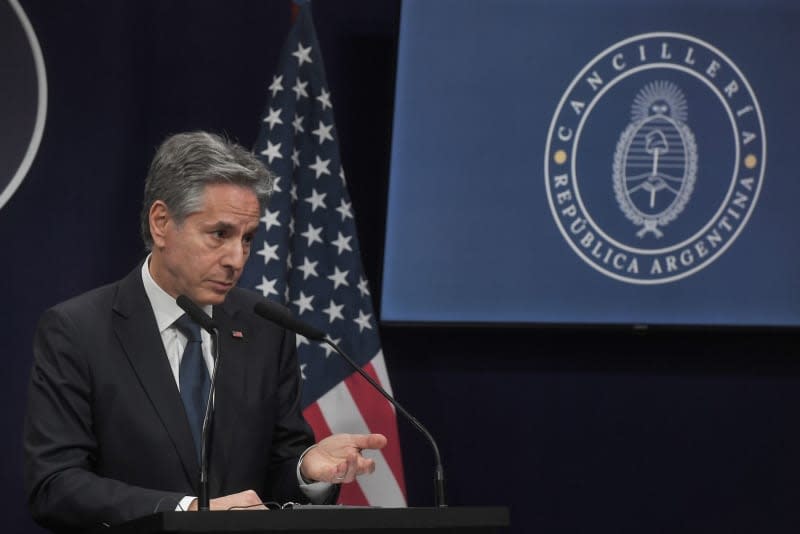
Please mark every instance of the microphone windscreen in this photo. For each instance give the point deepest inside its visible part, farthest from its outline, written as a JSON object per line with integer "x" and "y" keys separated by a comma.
{"x": 276, "y": 313}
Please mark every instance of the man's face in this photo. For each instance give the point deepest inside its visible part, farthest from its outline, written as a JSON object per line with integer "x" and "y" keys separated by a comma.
{"x": 203, "y": 257}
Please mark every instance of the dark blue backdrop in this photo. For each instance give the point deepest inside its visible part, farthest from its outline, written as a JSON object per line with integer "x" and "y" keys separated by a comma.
{"x": 577, "y": 430}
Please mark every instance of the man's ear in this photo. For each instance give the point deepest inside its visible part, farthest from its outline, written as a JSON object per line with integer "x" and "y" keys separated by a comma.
{"x": 159, "y": 218}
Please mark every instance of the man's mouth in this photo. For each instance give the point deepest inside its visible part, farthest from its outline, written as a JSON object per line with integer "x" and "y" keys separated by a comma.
{"x": 221, "y": 286}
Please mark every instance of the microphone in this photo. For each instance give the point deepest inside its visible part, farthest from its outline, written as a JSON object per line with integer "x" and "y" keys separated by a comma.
{"x": 281, "y": 316}
{"x": 208, "y": 324}
{"x": 272, "y": 311}
{"x": 197, "y": 315}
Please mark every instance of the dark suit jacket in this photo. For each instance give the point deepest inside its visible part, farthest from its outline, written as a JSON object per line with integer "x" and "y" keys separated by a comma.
{"x": 106, "y": 437}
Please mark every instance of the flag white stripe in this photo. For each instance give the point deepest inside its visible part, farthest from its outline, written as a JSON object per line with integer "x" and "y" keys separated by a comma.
{"x": 379, "y": 364}
{"x": 341, "y": 413}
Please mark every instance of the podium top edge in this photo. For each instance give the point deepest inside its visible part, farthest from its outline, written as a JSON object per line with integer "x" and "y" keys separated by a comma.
{"x": 336, "y": 519}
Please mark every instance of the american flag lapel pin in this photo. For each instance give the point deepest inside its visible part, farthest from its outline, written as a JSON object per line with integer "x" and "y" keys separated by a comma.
{"x": 238, "y": 334}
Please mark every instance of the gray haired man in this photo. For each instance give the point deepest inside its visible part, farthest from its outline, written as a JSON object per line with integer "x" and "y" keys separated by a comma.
{"x": 108, "y": 433}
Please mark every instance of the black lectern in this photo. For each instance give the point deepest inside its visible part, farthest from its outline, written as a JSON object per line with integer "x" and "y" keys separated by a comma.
{"x": 479, "y": 520}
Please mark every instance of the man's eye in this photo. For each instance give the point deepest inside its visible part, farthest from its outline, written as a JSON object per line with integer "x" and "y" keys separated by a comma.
{"x": 220, "y": 234}
{"x": 248, "y": 239}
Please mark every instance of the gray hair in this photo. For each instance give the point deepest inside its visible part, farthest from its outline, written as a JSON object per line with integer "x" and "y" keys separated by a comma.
{"x": 186, "y": 163}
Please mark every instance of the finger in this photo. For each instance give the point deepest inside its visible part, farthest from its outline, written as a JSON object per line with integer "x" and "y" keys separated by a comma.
{"x": 366, "y": 466}
{"x": 369, "y": 441}
{"x": 338, "y": 473}
{"x": 352, "y": 467}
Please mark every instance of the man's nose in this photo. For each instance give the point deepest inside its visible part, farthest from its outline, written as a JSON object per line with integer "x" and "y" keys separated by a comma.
{"x": 236, "y": 253}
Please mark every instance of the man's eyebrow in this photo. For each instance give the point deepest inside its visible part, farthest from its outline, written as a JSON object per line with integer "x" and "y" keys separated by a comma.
{"x": 221, "y": 225}
{"x": 227, "y": 225}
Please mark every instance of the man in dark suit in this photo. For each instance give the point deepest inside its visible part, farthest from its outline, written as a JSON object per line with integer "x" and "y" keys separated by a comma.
{"x": 119, "y": 377}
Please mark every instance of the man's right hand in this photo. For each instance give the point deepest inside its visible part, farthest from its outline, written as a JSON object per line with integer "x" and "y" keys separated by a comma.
{"x": 244, "y": 500}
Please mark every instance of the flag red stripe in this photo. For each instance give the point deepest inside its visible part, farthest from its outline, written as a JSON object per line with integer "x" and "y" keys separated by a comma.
{"x": 352, "y": 495}
{"x": 380, "y": 418}
{"x": 314, "y": 417}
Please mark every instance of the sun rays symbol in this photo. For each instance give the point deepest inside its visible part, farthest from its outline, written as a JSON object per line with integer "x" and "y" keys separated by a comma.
{"x": 660, "y": 98}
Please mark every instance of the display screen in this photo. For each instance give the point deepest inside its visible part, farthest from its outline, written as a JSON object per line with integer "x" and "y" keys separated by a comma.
{"x": 587, "y": 162}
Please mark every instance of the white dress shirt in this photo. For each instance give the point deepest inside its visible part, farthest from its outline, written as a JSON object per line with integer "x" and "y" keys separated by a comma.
{"x": 167, "y": 312}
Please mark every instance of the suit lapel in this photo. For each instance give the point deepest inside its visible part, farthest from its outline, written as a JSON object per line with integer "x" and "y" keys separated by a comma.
{"x": 136, "y": 328}
{"x": 231, "y": 373}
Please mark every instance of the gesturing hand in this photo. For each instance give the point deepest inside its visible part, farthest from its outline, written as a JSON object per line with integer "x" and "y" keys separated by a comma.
{"x": 337, "y": 459}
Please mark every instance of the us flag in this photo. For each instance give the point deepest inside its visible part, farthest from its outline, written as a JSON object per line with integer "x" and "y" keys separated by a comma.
{"x": 307, "y": 257}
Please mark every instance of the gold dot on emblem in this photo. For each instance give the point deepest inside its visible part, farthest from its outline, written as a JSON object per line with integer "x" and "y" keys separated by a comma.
{"x": 560, "y": 157}
{"x": 750, "y": 161}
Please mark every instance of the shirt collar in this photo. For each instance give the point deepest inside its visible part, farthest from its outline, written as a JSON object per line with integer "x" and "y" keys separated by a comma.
{"x": 164, "y": 306}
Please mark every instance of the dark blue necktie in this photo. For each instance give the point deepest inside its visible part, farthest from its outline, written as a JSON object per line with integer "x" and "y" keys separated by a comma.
{"x": 193, "y": 377}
